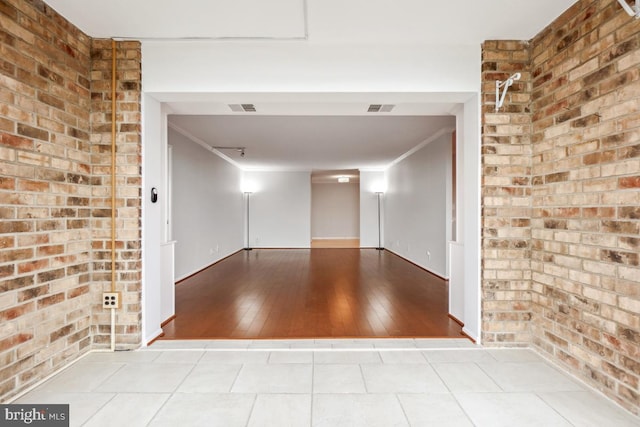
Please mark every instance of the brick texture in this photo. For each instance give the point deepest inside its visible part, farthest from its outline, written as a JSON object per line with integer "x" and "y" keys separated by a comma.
{"x": 128, "y": 193}
{"x": 53, "y": 187}
{"x": 584, "y": 196}
{"x": 506, "y": 195}
{"x": 45, "y": 168}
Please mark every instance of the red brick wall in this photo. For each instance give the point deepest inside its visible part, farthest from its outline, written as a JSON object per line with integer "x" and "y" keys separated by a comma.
{"x": 584, "y": 202}
{"x": 586, "y": 196}
{"x": 45, "y": 193}
{"x": 53, "y": 190}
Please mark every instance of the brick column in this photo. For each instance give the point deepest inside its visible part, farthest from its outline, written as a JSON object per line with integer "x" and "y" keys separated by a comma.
{"x": 506, "y": 196}
{"x": 128, "y": 193}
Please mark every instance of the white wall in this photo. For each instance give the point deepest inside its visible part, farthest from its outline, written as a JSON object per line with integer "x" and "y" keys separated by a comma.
{"x": 153, "y": 123}
{"x": 207, "y": 209}
{"x": 308, "y": 67}
{"x": 335, "y": 210}
{"x": 468, "y": 119}
{"x": 370, "y": 182}
{"x": 280, "y": 209}
{"x": 416, "y": 207}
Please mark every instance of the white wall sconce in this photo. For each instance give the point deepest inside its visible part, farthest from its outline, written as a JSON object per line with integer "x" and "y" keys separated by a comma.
{"x": 343, "y": 179}
{"x": 632, "y": 11}
{"x": 505, "y": 85}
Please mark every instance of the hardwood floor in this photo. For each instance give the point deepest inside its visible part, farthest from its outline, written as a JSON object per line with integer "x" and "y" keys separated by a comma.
{"x": 311, "y": 293}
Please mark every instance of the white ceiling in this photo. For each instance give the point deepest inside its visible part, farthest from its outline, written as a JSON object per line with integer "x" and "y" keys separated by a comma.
{"x": 313, "y": 142}
{"x": 319, "y": 21}
{"x": 328, "y": 131}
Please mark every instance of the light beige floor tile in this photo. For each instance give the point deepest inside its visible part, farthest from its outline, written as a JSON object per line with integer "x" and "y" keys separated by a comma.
{"x": 205, "y": 409}
{"x": 235, "y": 356}
{"x": 464, "y": 377}
{"x": 177, "y": 356}
{"x": 281, "y": 410}
{"x": 402, "y": 379}
{"x": 530, "y": 376}
{"x": 210, "y": 378}
{"x": 139, "y": 356}
{"x": 430, "y": 410}
{"x": 514, "y": 355}
{"x": 291, "y": 357}
{"x": 587, "y": 409}
{"x": 128, "y": 409}
{"x": 149, "y": 378}
{"x": 82, "y": 406}
{"x": 402, "y": 357}
{"x": 82, "y": 377}
{"x": 272, "y": 378}
{"x": 457, "y": 356}
{"x": 357, "y": 410}
{"x": 508, "y": 410}
{"x": 338, "y": 379}
{"x": 346, "y": 357}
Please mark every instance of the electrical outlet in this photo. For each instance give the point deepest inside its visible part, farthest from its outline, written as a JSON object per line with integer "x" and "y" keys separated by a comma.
{"x": 111, "y": 300}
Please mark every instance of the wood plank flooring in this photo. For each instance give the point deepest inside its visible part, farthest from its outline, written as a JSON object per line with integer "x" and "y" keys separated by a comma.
{"x": 311, "y": 293}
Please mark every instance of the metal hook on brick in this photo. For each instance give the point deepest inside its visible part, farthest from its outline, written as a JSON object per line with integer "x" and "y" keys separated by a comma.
{"x": 632, "y": 11}
{"x": 504, "y": 86}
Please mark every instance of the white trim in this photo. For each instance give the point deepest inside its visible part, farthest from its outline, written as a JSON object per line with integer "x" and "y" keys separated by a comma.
{"x": 203, "y": 144}
{"x": 418, "y": 147}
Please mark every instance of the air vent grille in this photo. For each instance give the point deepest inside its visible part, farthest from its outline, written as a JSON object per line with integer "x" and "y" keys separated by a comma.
{"x": 380, "y": 108}
{"x": 240, "y": 108}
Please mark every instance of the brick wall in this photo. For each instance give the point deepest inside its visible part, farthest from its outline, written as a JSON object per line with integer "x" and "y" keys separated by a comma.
{"x": 52, "y": 192}
{"x": 45, "y": 168}
{"x": 585, "y": 196}
{"x": 128, "y": 183}
{"x": 506, "y": 196}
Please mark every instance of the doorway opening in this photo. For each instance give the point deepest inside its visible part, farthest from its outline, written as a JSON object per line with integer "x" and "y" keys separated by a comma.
{"x": 464, "y": 294}
{"x": 335, "y": 209}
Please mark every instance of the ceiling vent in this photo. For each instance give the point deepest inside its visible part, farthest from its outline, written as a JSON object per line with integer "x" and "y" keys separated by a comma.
{"x": 380, "y": 108}
{"x": 243, "y": 108}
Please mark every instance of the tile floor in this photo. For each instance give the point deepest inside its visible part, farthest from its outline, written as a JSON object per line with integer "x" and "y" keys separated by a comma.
{"x": 324, "y": 383}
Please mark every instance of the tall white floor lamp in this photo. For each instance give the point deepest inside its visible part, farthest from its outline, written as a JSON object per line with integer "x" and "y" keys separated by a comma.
{"x": 380, "y": 247}
{"x": 248, "y": 246}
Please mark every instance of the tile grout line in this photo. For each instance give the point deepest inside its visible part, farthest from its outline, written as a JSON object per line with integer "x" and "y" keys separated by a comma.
{"x": 173, "y": 393}
{"x": 404, "y": 412}
{"x": 97, "y": 410}
{"x": 537, "y": 394}
{"x": 160, "y": 408}
{"x": 253, "y": 407}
